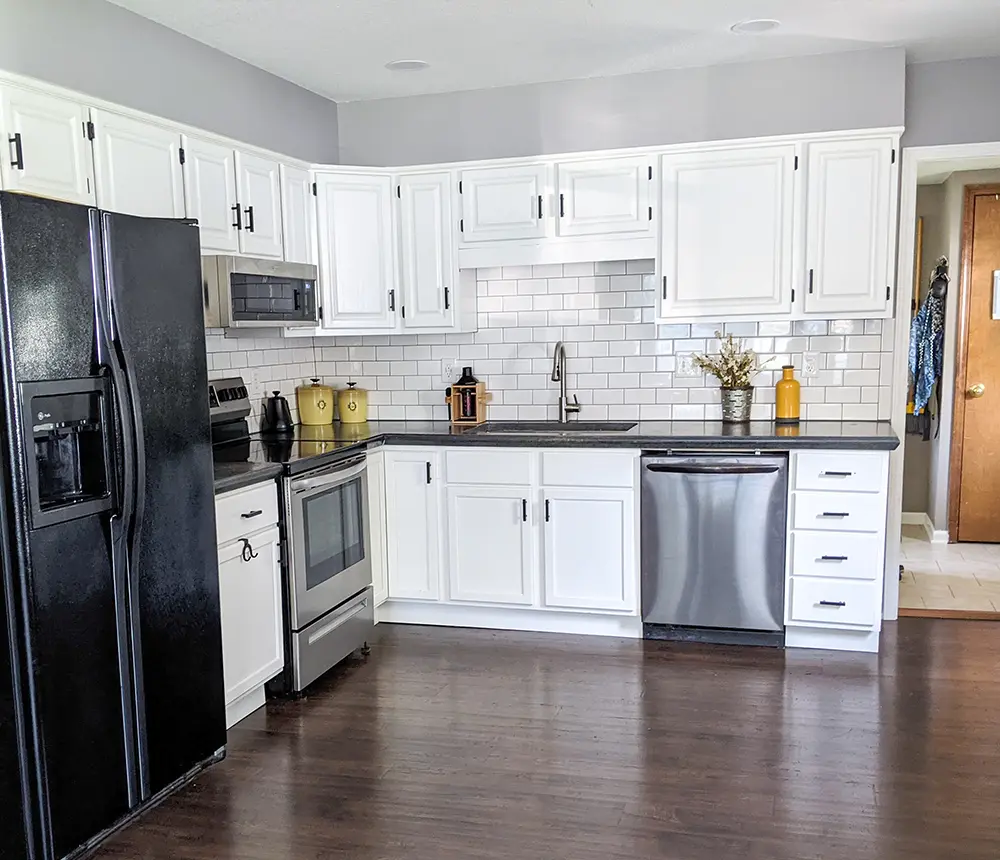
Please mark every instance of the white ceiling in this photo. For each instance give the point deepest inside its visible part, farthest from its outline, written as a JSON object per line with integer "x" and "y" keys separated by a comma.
{"x": 338, "y": 48}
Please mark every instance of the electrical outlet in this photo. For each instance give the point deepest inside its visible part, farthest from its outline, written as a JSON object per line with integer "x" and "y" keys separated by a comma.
{"x": 255, "y": 382}
{"x": 449, "y": 371}
{"x": 810, "y": 364}
{"x": 686, "y": 368}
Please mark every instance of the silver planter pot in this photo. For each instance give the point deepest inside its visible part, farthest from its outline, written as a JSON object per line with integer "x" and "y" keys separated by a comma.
{"x": 736, "y": 403}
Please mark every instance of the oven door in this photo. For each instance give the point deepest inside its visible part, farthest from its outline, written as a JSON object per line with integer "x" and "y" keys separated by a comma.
{"x": 330, "y": 539}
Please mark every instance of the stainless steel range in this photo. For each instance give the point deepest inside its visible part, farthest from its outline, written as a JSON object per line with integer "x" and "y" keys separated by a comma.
{"x": 326, "y": 537}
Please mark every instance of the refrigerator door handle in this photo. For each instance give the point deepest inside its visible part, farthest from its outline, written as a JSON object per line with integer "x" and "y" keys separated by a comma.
{"x": 134, "y": 484}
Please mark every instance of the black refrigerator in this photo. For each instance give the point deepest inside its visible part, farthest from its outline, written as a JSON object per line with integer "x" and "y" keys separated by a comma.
{"x": 111, "y": 685}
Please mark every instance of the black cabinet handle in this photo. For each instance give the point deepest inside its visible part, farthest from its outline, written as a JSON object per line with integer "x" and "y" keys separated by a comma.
{"x": 18, "y": 161}
{"x": 249, "y": 211}
{"x": 250, "y": 515}
{"x": 428, "y": 472}
{"x": 835, "y": 514}
{"x": 524, "y": 510}
{"x": 832, "y": 603}
{"x": 547, "y": 514}
{"x": 664, "y": 287}
{"x": 295, "y": 300}
{"x": 539, "y": 207}
{"x": 447, "y": 298}
{"x": 562, "y": 205}
{"x": 810, "y": 280}
{"x": 837, "y": 474}
{"x": 238, "y": 213}
{"x": 247, "y": 552}
{"x": 392, "y": 300}
{"x": 833, "y": 558}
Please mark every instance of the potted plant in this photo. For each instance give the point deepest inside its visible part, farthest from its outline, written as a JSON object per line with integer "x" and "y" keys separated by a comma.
{"x": 735, "y": 367}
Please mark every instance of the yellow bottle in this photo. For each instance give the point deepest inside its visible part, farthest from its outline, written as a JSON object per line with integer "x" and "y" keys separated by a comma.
{"x": 786, "y": 409}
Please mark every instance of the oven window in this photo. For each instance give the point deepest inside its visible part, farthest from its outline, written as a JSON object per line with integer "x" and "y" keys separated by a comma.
{"x": 334, "y": 532}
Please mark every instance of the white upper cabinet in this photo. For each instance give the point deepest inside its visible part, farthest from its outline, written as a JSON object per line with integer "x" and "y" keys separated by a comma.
{"x": 612, "y": 195}
{"x": 489, "y": 541}
{"x": 138, "y": 166}
{"x": 298, "y": 215}
{"x": 503, "y": 203}
{"x": 727, "y": 233}
{"x": 428, "y": 261}
{"x": 260, "y": 200}
{"x": 356, "y": 259}
{"x": 210, "y": 194}
{"x": 849, "y": 226}
{"x": 48, "y": 150}
{"x": 412, "y": 522}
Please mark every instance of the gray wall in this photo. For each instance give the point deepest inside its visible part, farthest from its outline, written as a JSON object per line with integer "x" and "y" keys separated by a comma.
{"x": 105, "y": 51}
{"x": 955, "y": 101}
{"x": 805, "y": 94}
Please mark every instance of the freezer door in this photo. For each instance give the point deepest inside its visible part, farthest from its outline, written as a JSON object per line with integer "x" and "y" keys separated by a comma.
{"x": 13, "y": 826}
{"x": 153, "y": 271}
{"x": 713, "y": 541}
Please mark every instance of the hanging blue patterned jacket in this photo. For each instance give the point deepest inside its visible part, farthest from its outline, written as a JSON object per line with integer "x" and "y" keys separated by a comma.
{"x": 926, "y": 350}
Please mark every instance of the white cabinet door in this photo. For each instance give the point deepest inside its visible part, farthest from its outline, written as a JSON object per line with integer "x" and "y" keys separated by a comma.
{"x": 375, "y": 463}
{"x": 298, "y": 215}
{"x": 849, "y": 226}
{"x": 210, "y": 194}
{"x": 428, "y": 260}
{"x": 503, "y": 203}
{"x": 727, "y": 233}
{"x": 589, "y": 549}
{"x": 250, "y": 597}
{"x": 138, "y": 166}
{"x": 48, "y": 150}
{"x": 489, "y": 544}
{"x": 356, "y": 260}
{"x": 612, "y": 195}
{"x": 413, "y": 524}
{"x": 260, "y": 199}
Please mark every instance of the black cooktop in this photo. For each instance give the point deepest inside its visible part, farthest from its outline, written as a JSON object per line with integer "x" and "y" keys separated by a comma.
{"x": 307, "y": 448}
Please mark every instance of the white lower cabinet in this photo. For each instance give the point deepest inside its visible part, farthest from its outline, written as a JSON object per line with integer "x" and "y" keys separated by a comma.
{"x": 589, "y": 549}
{"x": 412, "y": 524}
{"x": 489, "y": 544}
{"x": 253, "y": 650}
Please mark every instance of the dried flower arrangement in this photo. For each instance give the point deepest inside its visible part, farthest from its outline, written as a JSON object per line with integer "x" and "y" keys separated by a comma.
{"x": 734, "y": 366}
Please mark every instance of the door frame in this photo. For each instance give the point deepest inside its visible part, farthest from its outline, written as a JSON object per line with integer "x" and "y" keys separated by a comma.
{"x": 965, "y": 156}
{"x": 957, "y": 443}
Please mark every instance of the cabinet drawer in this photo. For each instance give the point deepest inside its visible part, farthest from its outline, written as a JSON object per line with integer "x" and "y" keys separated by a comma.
{"x": 847, "y": 555}
{"x": 488, "y": 466}
{"x": 854, "y": 471}
{"x": 588, "y": 469}
{"x": 835, "y": 601}
{"x": 243, "y": 512}
{"x": 839, "y": 512}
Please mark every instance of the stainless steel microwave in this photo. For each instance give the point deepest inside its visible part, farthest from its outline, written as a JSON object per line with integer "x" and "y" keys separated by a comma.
{"x": 246, "y": 292}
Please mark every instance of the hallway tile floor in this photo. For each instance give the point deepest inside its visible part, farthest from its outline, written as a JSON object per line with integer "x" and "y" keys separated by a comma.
{"x": 958, "y": 577}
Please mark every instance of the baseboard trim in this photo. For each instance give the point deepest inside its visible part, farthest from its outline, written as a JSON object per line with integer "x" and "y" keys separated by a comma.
{"x": 937, "y": 535}
{"x": 914, "y": 518}
{"x": 917, "y": 518}
{"x": 954, "y": 614}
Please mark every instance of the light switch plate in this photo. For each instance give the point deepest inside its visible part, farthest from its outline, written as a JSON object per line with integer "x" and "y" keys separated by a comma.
{"x": 686, "y": 368}
{"x": 810, "y": 364}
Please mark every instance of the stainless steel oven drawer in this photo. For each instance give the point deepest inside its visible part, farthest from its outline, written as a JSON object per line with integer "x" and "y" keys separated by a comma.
{"x": 329, "y": 639}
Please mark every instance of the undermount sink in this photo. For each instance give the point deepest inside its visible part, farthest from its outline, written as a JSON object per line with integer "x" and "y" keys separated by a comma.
{"x": 569, "y": 428}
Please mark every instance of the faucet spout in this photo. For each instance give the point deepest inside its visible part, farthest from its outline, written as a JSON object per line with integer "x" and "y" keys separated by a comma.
{"x": 559, "y": 375}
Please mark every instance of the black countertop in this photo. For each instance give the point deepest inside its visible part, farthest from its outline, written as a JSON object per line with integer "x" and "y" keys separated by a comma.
{"x": 311, "y": 447}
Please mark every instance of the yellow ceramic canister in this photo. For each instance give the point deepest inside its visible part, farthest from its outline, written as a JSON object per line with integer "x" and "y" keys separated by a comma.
{"x": 352, "y": 403}
{"x": 786, "y": 397}
{"x": 315, "y": 403}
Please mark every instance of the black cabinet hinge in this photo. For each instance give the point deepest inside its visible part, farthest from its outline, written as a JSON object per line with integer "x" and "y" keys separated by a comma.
{"x": 650, "y": 172}
{"x": 315, "y": 191}
{"x": 893, "y": 157}
{"x": 459, "y": 186}
{"x": 91, "y": 133}
{"x": 181, "y": 155}
{"x": 796, "y": 162}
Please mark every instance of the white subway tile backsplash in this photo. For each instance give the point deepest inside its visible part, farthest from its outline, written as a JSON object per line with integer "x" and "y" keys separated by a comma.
{"x": 576, "y": 269}
{"x": 513, "y": 273}
{"x": 610, "y": 268}
{"x": 864, "y": 343}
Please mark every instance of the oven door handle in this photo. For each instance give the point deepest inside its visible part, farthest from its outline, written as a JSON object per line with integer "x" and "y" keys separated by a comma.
{"x": 341, "y": 476}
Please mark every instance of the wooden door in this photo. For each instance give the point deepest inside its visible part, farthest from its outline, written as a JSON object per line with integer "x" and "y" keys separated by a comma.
{"x": 601, "y": 196}
{"x": 429, "y": 266}
{"x": 260, "y": 197}
{"x": 210, "y": 194}
{"x": 727, "y": 233}
{"x": 138, "y": 165}
{"x": 412, "y": 524}
{"x": 298, "y": 215}
{"x": 850, "y": 227}
{"x": 48, "y": 151}
{"x": 975, "y": 487}
{"x": 501, "y": 203}
{"x": 357, "y": 268}
{"x": 489, "y": 544}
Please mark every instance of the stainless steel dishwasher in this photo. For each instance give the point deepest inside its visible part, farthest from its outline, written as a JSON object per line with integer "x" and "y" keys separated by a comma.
{"x": 713, "y": 547}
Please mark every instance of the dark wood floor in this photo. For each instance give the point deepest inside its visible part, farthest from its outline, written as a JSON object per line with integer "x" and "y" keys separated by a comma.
{"x": 472, "y": 744}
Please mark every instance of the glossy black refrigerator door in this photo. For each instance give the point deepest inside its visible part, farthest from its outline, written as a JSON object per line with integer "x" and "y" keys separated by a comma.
{"x": 70, "y": 607}
{"x": 153, "y": 271}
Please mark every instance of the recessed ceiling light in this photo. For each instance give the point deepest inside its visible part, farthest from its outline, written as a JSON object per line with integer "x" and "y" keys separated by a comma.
{"x": 756, "y": 26}
{"x": 407, "y": 65}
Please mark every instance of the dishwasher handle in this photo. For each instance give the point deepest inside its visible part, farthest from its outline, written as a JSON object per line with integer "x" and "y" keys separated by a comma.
{"x": 705, "y": 469}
